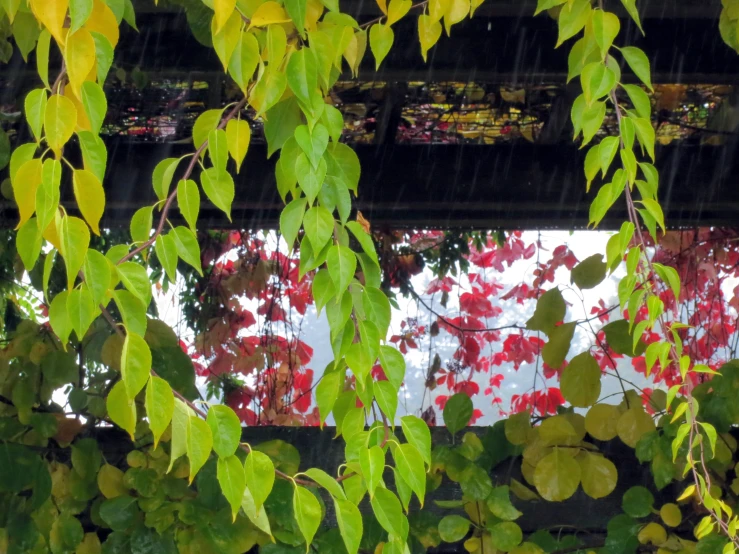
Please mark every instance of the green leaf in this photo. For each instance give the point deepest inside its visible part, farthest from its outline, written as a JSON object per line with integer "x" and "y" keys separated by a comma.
{"x": 162, "y": 176}
{"x": 572, "y": 20}
{"x": 135, "y": 364}
{"x": 199, "y": 445}
{"x": 218, "y": 150}
{"x": 42, "y": 56}
{"x": 637, "y": 502}
{"x": 620, "y": 339}
{"x": 204, "y": 124}
{"x": 319, "y": 227}
{"x": 640, "y": 100}
{"x": 28, "y": 243}
{"x": 133, "y": 311}
{"x": 279, "y": 128}
{"x": 312, "y": 142}
{"x": 136, "y": 280}
{"x": 260, "y": 476}
{"x": 387, "y": 398}
{"x": 580, "y": 383}
{"x": 244, "y": 60}
{"x": 121, "y": 408}
{"x": 187, "y": 247}
{"x": 296, "y": 10}
{"x": 188, "y": 200}
{"x": 605, "y": 29}
{"x": 59, "y": 317}
{"x": 607, "y": 152}
{"x": 180, "y": 432}
{"x": 230, "y": 474}
{"x": 556, "y": 349}
{"x": 159, "y": 404}
{"x": 550, "y": 310}
{"x": 238, "y": 137}
{"x": 35, "y": 108}
{"x": 597, "y": 81}
{"x": 454, "y": 528}
{"x": 590, "y": 272}
{"x": 393, "y": 364}
{"x": 381, "y": 39}
{"x": 94, "y": 153}
{"x": 310, "y": 179}
{"x": 372, "y": 463}
{"x": 630, "y": 6}
{"x": 219, "y": 188}
{"x": 166, "y": 249}
{"x": 141, "y": 223}
{"x": 66, "y": 534}
{"x": 654, "y": 210}
{"x": 302, "y": 73}
{"x": 342, "y": 264}
{"x": 350, "y": 524}
{"x": 499, "y": 503}
{"x": 103, "y": 55}
{"x": 323, "y": 289}
{"x": 307, "y": 512}
{"x": 74, "y": 240}
{"x": 226, "y": 429}
{"x": 257, "y": 517}
{"x": 343, "y": 166}
{"x": 639, "y": 64}
{"x": 268, "y": 90}
{"x": 505, "y": 536}
{"x": 389, "y": 513}
{"x": 95, "y": 104}
{"x": 417, "y": 433}
{"x": 670, "y": 276}
{"x": 334, "y": 122}
{"x": 457, "y": 412}
{"x": 60, "y": 120}
{"x": 646, "y": 135}
{"x": 81, "y": 310}
{"x": 327, "y": 392}
{"x": 409, "y": 462}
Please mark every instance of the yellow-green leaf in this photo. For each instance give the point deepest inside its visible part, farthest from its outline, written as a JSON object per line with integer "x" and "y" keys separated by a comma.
{"x": 59, "y": 120}
{"x": 48, "y": 193}
{"x": 219, "y": 188}
{"x": 199, "y": 445}
{"x": 224, "y": 10}
{"x": 74, "y": 239}
{"x": 268, "y": 90}
{"x": 397, "y": 9}
{"x": 260, "y": 476}
{"x": 90, "y": 197}
{"x": 557, "y": 476}
{"x": 121, "y": 408}
{"x": 580, "y": 383}
{"x": 226, "y": 429}
{"x": 95, "y": 104}
{"x": 598, "y": 474}
{"x": 35, "y": 108}
{"x": 79, "y": 55}
{"x": 381, "y": 39}
{"x": 268, "y": 13}
{"x": 25, "y": 183}
{"x": 159, "y": 406}
{"x": 230, "y": 475}
{"x": 429, "y": 32}
{"x": 135, "y": 364}
{"x": 226, "y": 41}
{"x": 307, "y": 511}
{"x": 238, "y": 136}
{"x": 188, "y": 200}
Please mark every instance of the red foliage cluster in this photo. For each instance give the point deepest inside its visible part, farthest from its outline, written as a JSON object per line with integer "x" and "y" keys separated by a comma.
{"x": 254, "y": 334}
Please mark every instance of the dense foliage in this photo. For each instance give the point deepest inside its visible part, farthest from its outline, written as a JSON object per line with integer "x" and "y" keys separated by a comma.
{"x": 135, "y": 461}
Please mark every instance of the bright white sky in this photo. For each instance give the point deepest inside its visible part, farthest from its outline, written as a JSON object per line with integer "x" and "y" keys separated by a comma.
{"x": 315, "y": 331}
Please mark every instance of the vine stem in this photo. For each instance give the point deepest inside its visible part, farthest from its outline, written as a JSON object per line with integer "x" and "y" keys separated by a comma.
{"x": 378, "y": 19}
{"x": 190, "y": 167}
{"x": 693, "y": 419}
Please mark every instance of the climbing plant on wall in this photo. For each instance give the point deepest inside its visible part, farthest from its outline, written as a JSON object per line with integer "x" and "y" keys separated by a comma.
{"x": 191, "y": 484}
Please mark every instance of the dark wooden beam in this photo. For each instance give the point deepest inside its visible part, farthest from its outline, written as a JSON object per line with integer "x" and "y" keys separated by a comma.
{"x": 520, "y": 186}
